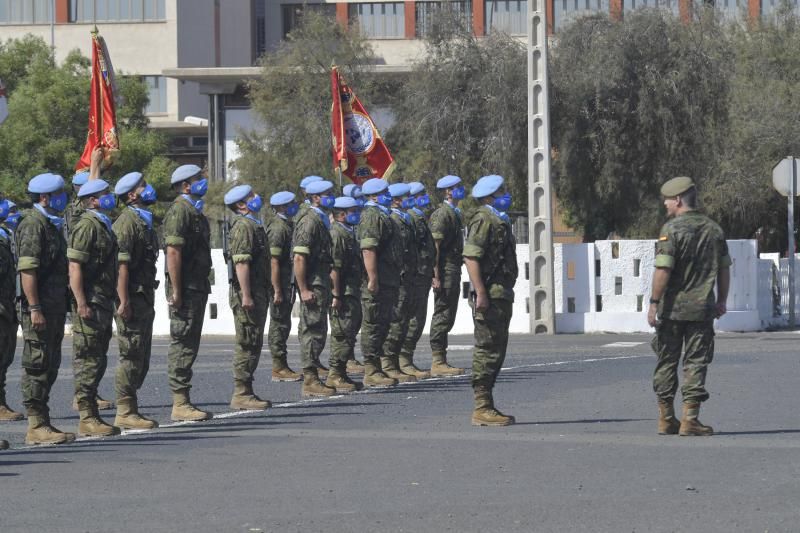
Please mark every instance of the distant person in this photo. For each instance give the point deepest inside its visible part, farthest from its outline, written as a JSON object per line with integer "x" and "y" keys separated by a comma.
{"x": 691, "y": 258}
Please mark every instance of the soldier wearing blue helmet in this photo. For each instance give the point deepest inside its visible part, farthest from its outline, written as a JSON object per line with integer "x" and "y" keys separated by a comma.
{"x": 92, "y": 255}
{"x": 491, "y": 259}
{"x": 42, "y": 264}
{"x": 8, "y": 314}
{"x": 138, "y": 252}
{"x": 188, "y": 249}
{"x": 80, "y": 179}
{"x": 279, "y": 235}
{"x": 248, "y": 250}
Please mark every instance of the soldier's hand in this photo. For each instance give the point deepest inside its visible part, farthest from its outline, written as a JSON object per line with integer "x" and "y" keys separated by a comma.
{"x": 651, "y": 315}
{"x": 372, "y": 285}
{"x": 336, "y": 303}
{"x": 307, "y": 296}
{"x": 97, "y": 156}
{"x": 124, "y": 310}
{"x": 247, "y": 303}
{"x": 722, "y": 308}
{"x": 175, "y": 301}
{"x": 481, "y": 302}
{"x": 84, "y": 311}
{"x": 277, "y": 298}
{"x": 38, "y": 321}
{"x": 436, "y": 284}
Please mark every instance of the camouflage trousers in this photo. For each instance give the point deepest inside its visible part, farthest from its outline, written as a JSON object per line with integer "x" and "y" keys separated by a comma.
{"x": 135, "y": 337}
{"x": 8, "y": 345}
{"x": 491, "y": 342}
{"x": 249, "y": 340}
{"x": 280, "y": 325}
{"x": 445, "y": 305}
{"x": 312, "y": 331}
{"x": 90, "y": 339}
{"x": 398, "y": 329}
{"x": 185, "y": 330}
{"x": 345, "y": 323}
{"x": 41, "y": 360}
{"x": 377, "y": 310}
{"x": 418, "y": 313}
{"x": 696, "y": 340}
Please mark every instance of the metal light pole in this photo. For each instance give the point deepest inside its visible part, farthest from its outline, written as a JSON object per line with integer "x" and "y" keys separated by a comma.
{"x": 541, "y": 303}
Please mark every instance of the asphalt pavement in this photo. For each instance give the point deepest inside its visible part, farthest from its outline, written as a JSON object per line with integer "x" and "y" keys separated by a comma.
{"x": 583, "y": 456}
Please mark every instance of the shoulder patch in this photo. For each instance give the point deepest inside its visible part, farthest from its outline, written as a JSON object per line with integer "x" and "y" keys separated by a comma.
{"x": 663, "y": 238}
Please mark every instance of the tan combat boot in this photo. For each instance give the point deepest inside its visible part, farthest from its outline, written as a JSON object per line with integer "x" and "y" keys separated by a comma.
{"x": 282, "y": 372}
{"x": 244, "y": 398}
{"x": 91, "y": 425}
{"x": 313, "y": 387}
{"x": 337, "y": 378}
{"x": 667, "y": 423}
{"x": 41, "y": 432}
{"x": 102, "y": 405}
{"x": 322, "y": 372}
{"x": 485, "y": 413}
{"x": 354, "y": 367}
{"x": 3, "y": 444}
{"x": 7, "y": 414}
{"x": 128, "y": 416}
{"x": 690, "y": 425}
{"x": 392, "y": 370}
{"x": 440, "y": 368}
{"x": 374, "y": 378}
{"x": 184, "y": 411}
{"x": 407, "y": 366}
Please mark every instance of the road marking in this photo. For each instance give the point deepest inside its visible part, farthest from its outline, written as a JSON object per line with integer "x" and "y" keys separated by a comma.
{"x": 622, "y": 344}
{"x": 234, "y": 414}
{"x": 459, "y": 348}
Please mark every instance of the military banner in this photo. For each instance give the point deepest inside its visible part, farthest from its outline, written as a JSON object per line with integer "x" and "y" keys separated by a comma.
{"x": 358, "y": 149}
{"x": 102, "y": 108}
{"x": 3, "y": 103}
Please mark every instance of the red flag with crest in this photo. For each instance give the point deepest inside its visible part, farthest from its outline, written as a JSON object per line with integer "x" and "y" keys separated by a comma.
{"x": 102, "y": 108}
{"x": 358, "y": 149}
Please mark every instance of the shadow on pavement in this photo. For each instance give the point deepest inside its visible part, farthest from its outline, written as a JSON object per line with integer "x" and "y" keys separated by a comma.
{"x": 584, "y": 421}
{"x": 762, "y": 432}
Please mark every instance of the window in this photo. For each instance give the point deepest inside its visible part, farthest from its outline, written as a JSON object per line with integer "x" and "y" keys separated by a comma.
{"x": 157, "y": 91}
{"x": 566, "y": 11}
{"x": 509, "y": 16}
{"x": 426, "y": 13}
{"x": 116, "y": 10}
{"x": 379, "y": 20}
{"x": 26, "y": 11}
{"x": 292, "y": 14}
{"x": 669, "y": 5}
{"x": 770, "y": 7}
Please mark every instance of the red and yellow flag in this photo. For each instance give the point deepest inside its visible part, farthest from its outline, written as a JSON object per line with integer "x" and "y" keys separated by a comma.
{"x": 358, "y": 149}
{"x": 102, "y": 108}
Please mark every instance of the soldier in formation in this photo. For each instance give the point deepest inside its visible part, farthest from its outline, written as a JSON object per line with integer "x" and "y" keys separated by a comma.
{"x": 364, "y": 261}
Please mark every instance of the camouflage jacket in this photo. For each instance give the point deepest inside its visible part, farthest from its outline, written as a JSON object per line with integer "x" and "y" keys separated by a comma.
{"x": 347, "y": 259}
{"x": 188, "y": 228}
{"x": 693, "y": 247}
{"x": 406, "y": 242}
{"x": 8, "y": 276}
{"x": 376, "y": 232}
{"x": 138, "y": 247}
{"x": 248, "y": 244}
{"x": 426, "y": 248}
{"x": 279, "y": 235}
{"x": 313, "y": 239}
{"x": 41, "y": 246}
{"x": 447, "y": 227}
{"x": 94, "y": 246}
{"x": 491, "y": 242}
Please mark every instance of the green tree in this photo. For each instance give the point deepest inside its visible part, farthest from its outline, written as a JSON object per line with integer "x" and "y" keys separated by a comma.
{"x": 634, "y": 104}
{"x": 292, "y": 99}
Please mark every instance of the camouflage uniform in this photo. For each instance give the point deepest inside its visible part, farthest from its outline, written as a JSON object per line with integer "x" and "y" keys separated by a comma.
{"x": 406, "y": 247}
{"x": 73, "y": 213}
{"x": 41, "y": 247}
{"x": 421, "y": 285}
{"x": 376, "y": 231}
{"x": 186, "y": 227}
{"x": 694, "y": 248}
{"x": 313, "y": 239}
{"x": 8, "y": 315}
{"x": 491, "y": 242}
{"x": 279, "y": 235}
{"x": 346, "y": 321}
{"x": 138, "y": 247}
{"x": 94, "y": 246}
{"x": 248, "y": 244}
{"x": 446, "y": 227}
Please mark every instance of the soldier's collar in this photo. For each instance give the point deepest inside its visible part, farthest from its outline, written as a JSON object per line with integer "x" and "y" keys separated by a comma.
{"x": 254, "y": 219}
{"x": 58, "y": 222}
